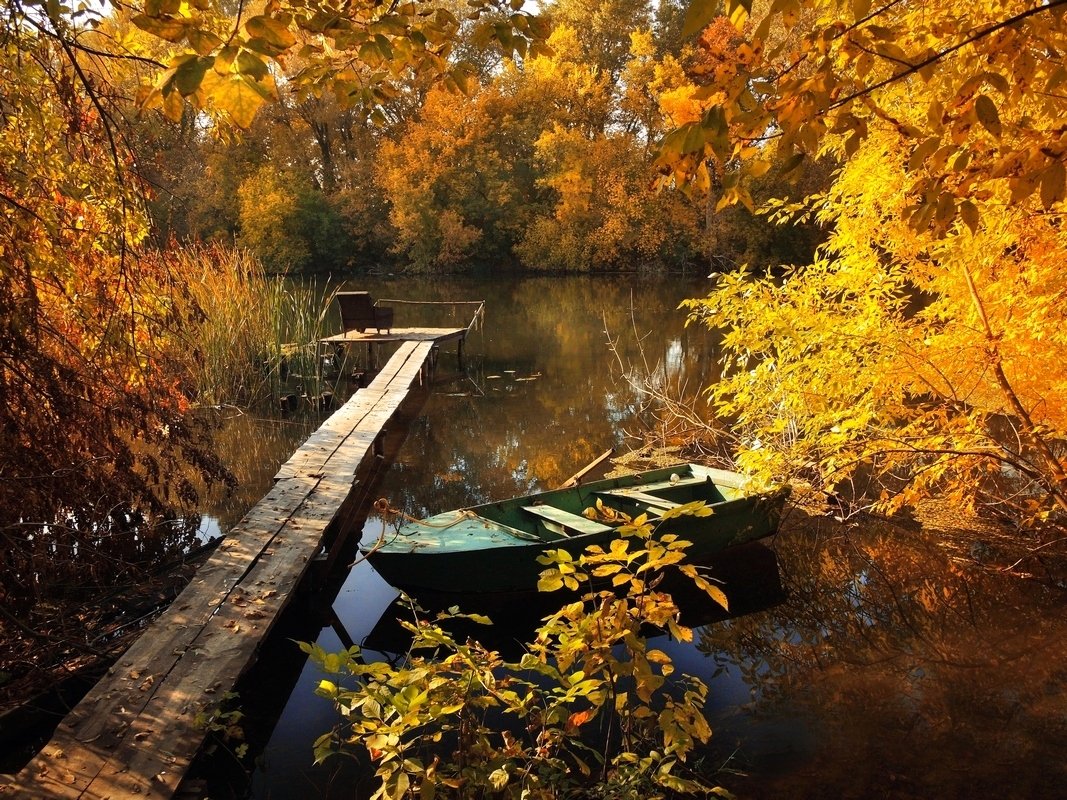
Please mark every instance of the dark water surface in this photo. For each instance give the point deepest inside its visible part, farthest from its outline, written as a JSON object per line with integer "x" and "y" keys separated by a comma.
{"x": 897, "y": 665}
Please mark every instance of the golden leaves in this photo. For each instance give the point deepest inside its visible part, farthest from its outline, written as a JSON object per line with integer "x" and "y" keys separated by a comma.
{"x": 1052, "y": 184}
{"x": 986, "y": 110}
{"x": 393, "y": 41}
{"x": 270, "y": 35}
{"x": 856, "y": 74}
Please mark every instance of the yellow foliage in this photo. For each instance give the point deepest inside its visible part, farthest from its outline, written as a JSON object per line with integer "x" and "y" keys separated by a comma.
{"x": 90, "y": 329}
{"x": 681, "y": 105}
{"x": 434, "y": 160}
{"x": 605, "y": 210}
{"x": 925, "y": 345}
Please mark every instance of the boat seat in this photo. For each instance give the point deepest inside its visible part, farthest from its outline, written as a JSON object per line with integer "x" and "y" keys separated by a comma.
{"x": 695, "y": 480}
{"x": 638, "y": 496}
{"x": 566, "y": 520}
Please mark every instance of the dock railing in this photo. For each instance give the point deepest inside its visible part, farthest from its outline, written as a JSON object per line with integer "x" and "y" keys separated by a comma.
{"x": 475, "y": 321}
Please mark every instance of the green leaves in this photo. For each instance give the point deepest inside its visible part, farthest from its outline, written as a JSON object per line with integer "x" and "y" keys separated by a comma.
{"x": 588, "y": 662}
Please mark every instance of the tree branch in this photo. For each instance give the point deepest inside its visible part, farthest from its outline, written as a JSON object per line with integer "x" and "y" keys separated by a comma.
{"x": 933, "y": 59}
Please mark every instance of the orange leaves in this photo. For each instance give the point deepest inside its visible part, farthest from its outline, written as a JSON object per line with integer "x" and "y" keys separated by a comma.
{"x": 452, "y": 152}
{"x": 384, "y": 43}
{"x": 93, "y": 382}
{"x": 579, "y": 718}
{"x": 952, "y": 180}
{"x": 682, "y": 106}
{"x": 828, "y": 85}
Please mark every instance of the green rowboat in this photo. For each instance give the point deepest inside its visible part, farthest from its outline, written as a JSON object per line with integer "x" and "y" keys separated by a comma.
{"x": 494, "y": 547}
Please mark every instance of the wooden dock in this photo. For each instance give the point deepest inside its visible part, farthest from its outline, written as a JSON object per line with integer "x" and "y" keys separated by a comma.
{"x": 438, "y": 335}
{"x": 136, "y": 732}
{"x": 373, "y": 338}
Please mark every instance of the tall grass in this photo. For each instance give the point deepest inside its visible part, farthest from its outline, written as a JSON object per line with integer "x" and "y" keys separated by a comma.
{"x": 297, "y": 329}
{"x": 252, "y": 328}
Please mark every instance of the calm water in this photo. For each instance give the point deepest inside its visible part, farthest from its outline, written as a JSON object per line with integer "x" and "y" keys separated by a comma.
{"x": 899, "y": 664}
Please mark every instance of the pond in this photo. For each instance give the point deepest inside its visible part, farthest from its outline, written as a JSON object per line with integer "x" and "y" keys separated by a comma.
{"x": 877, "y": 659}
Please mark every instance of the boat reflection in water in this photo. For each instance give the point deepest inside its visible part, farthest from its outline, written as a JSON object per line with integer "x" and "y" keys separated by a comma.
{"x": 748, "y": 574}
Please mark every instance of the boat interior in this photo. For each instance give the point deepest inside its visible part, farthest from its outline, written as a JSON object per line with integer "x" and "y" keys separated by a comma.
{"x": 555, "y": 515}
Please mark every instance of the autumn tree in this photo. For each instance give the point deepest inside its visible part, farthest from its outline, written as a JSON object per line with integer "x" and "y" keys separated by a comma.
{"x": 593, "y": 159}
{"x": 93, "y": 412}
{"x": 93, "y": 353}
{"x": 602, "y": 29}
{"x": 604, "y": 216}
{"x": 459, "y": 179}
{"x": 922, "y": 345}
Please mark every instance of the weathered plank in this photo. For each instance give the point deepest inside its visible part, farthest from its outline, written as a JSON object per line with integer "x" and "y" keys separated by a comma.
{"x": 84, "y": 740}
{"x": 364, "y": 415}
{"x": 135, "y": 733}
{"x": 569, "y": 521}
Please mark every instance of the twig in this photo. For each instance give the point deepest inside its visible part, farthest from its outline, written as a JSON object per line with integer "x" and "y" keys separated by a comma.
{"x": 1031, "y": 552}
{"x": 44, "y": 637}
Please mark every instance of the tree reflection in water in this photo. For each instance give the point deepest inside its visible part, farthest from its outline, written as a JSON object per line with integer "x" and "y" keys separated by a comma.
{"x": 896, "y": 669}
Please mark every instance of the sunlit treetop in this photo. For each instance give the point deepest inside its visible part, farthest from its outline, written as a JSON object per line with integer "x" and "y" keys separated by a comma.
{"x": 976, "y": 87}
{"x": 922, "y": 344}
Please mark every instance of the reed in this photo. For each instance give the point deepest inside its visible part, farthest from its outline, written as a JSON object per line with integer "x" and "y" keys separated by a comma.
{"x": 253, "y": 330}
{"x": 302, "y": 321}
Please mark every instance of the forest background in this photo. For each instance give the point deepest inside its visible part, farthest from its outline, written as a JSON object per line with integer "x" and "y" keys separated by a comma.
{"x": 545, "y": 160}
{"x": 158, "y": 159}
{"x": 914, "y": 353}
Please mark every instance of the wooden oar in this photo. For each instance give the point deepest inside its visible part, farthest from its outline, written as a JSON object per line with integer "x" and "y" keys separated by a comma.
{"x": 581, "y": 474}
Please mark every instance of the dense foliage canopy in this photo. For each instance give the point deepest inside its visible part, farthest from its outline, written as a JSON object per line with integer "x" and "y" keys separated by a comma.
{"x": 922, "y": 345}
{"x": 88, "y": 349}
{"x": 916, "y": 352}
{"x": 537, "y": 154}
{"x": 99, "y": 331}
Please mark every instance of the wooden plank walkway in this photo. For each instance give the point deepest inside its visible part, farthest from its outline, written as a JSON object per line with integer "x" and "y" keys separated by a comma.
{"x": 136, "y": 732}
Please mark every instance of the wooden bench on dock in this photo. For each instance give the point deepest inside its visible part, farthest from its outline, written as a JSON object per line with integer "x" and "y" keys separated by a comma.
{"x": 136, "y": 732}
{"x": 357, "y": 334}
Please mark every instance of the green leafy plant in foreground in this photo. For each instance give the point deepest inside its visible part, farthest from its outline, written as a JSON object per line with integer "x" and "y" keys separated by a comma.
{"x": 590, "y": 710}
